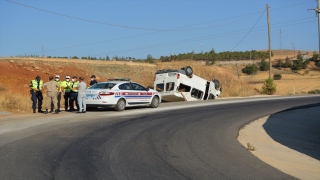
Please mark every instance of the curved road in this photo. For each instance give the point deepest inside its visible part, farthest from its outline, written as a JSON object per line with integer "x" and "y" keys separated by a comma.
{"x": 199, "y": 142}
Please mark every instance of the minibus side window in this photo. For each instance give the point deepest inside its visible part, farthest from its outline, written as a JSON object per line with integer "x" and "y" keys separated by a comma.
{"x": 169, "y": 86}
{"x": 196, "y": 93}
{"x": 184, "y": 88}
{"x": 160, "y": 87}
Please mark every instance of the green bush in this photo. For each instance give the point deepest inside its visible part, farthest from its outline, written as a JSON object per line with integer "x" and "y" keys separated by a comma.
{"x": 315, "y": 91}
{"x": 250, "y": 69}
{"x": 269, "y": 87}
{"x": 264, "y": 65}
{"x": 277, "y": 76}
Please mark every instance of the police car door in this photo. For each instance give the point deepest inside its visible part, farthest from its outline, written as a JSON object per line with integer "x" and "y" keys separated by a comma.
{"x": 142, "y": 95}
{"x": 128, "y": 93}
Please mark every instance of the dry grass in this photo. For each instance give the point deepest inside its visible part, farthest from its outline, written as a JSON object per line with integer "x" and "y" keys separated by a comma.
{"x": 290, "y": 84}
{"x": 15, "y": 75}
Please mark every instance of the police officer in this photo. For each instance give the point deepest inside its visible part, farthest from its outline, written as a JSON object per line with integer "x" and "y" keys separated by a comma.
{"x": 36, "y": 92}
{"x": 73, "y": 93}
{"x": 93, "y": 80}
{"x": 65, "y": 87}
{"x": 51, "y": 88}
{"x": 58, "y": 94}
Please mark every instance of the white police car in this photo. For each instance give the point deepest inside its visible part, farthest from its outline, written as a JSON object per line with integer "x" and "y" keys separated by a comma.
{"x": 121, "y": 93}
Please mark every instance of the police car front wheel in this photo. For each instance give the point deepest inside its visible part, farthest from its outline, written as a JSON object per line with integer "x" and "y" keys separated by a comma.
{"x": 155, "y": 102}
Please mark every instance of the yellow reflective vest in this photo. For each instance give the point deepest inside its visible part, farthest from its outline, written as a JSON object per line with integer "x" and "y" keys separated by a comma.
{"x": 34, "y": 84}
{"x": 66, "y": 85}
{"x": 74, "y": 85}
{"x": 59, "y": 82}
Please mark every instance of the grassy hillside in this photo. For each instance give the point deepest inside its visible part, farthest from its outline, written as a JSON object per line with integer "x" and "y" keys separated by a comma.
{"x": 16, "y": 73}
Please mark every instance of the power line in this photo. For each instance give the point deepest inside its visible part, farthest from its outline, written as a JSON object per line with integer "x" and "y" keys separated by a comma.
{"x": 141, "y": 28}
{"x": 248, "y": 31}
{"x": 130, "y": 27}
{"x": 193, "y": 39}
{"x": 86, "y": 44}
{"x": 232, "y": 33}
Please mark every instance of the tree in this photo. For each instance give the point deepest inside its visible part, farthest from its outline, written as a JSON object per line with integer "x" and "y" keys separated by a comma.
{"x": 250, "y": 69}
{"x": 150, "y": 58}
{"x": 107, "y": 58}
{"x": 279, "y": 63}
{"x": 287, "y": 63}
{"x": 269, "y": 87}
{"x": 315, "y": 56}
{"x": 264, "y": 65}
{"x": 298, "y": 64}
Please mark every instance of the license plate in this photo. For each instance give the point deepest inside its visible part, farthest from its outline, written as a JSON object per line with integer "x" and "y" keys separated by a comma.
{"x": 90, "y": 96}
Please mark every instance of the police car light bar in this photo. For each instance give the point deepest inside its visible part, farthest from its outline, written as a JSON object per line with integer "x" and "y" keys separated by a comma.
{"x": 119, "y": 79}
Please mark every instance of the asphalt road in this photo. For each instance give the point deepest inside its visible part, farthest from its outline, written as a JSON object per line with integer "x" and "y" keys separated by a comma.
{"x": 196, "y": 140}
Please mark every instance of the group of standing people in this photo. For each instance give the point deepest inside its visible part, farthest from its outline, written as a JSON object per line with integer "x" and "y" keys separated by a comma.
{"x": 73, "y": 92}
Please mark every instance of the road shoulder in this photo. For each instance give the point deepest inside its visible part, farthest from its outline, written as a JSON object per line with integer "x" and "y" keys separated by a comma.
{"x": 277, "y": 155}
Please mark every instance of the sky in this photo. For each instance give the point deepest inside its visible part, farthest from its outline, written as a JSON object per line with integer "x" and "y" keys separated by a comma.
{"x": 138, "y": 28}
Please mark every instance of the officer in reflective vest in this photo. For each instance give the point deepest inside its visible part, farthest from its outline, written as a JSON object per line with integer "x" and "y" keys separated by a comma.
{"x": 65, "y": 87}
{"x": 74, "y": 93}
{"x": 57, "y": 80}
{"x": 36, "y": 92}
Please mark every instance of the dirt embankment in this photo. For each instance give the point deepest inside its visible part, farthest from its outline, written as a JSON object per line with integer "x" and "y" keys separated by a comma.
{"x": 16, "y": 74}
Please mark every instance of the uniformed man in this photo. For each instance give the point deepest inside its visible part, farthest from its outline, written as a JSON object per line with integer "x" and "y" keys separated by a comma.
{"x": 51, "y": 88}
{"x": 58, "y": 94}
{"x": 36, "y": 92}
{"x": 65, "y": 87}
{"x": 74, "y": 93}
{"x": 93, "y": 80}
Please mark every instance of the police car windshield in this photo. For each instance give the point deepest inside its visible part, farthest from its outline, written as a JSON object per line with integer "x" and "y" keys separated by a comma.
{"x": 103, "y": 86}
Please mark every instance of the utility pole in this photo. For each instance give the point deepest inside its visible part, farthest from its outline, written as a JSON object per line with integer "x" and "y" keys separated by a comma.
{"x": 293, "y": 48}
{"x": 280, "y": 42}
{"x": 269, "y": 40}
{"x": 317, "y": 13}
{"x": 42, "y": 52}
{"x": 192, "y": 55}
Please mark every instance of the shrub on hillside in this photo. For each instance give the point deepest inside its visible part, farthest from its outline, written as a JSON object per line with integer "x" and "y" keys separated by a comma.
{"x": 287, "y": 63}
{"x": 315, "y": 56}
{"x": 269, "y": 87}
{"x": 277, "y": 76}
{"x": 264, "y": 65}
{"x": 250, "y": 69}
{"x": 315, "y": 91}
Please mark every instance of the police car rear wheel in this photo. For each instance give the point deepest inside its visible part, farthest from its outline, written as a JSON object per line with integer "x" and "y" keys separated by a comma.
{"x": 154, "y": 102}
{"x": 121, "y": 105}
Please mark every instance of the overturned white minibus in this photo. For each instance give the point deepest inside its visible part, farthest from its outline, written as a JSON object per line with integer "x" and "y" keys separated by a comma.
{"x": 183, "y": 85}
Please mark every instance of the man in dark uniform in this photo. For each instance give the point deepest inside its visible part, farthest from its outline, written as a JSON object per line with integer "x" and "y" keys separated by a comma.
{"x": 73, "y": 93}
{"x": 93, "y": 80}
{"x": 36, "y": 92}
{"x": 65, "y": 87}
